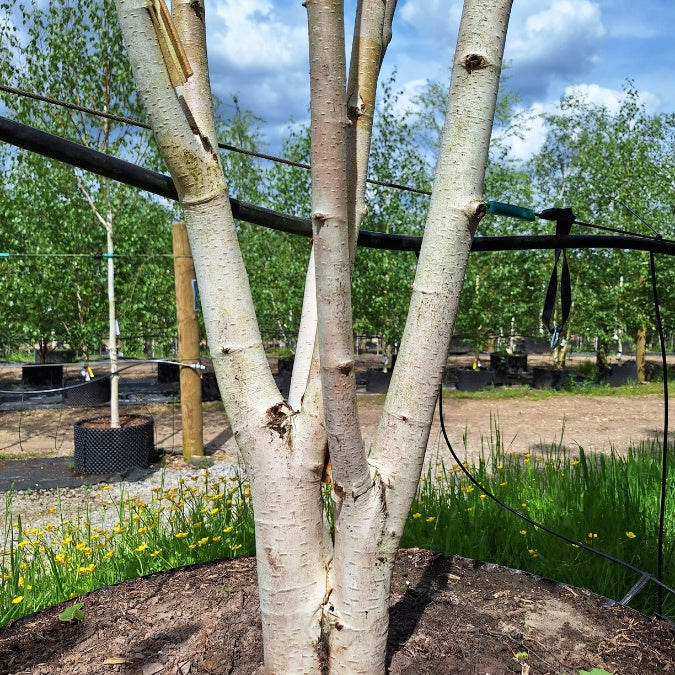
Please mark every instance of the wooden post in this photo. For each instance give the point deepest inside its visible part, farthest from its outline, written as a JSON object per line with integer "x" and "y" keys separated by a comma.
{"x": 188, "y": 345}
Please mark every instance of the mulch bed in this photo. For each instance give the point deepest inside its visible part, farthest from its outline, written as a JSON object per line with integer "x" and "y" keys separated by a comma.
{"x": 448, "y": 615}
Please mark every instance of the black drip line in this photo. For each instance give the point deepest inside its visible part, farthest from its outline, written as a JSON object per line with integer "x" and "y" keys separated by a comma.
{"x": 645, "y": 577}
{"x": 223, "y": 146}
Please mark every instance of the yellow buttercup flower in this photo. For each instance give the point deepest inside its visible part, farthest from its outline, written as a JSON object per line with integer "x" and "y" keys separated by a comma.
{"x": 417, "y": 515}
{"x": 17, "y": 600}
{"x": 630, "y": 535}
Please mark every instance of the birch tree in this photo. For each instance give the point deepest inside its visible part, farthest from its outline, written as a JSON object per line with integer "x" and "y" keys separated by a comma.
{"x": 323, "y": 596}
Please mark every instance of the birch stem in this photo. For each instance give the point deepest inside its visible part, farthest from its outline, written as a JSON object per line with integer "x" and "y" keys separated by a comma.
{"x": 351, "y": 473}
{"x": 454, "y": 213}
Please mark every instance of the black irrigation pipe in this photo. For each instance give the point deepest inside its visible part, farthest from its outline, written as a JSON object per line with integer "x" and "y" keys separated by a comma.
{"x": 55, "y": 147}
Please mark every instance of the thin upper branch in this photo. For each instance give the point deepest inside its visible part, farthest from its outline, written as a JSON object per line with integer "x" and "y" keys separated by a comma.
{"x": 372, "y": 33}
{"x": 331, "y": 244}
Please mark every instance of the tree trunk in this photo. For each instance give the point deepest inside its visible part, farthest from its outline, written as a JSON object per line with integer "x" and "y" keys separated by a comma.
{"x": 324, "y": 604}
{"x": 112, "y": 329}
{"x": 640, "y": 351}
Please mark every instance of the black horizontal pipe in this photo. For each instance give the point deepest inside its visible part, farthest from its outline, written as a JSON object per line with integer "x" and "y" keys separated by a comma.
{"x": 55, "y": 147}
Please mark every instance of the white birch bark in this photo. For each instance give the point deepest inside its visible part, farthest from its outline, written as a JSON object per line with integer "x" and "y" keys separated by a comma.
{"x": 364, "y": 553}
{"x": 283, "y": 452}
{"x": 328, "y": 113}
{"x": 454, "y": 213}
{"x": 324, "y": 608}
{"x": 112, "y": 329}
{"x": 306, "y": 342}
{"x": 372, "y": 34}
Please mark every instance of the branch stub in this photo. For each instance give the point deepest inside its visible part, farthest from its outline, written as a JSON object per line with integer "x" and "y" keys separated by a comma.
{"x": 474, "y": 62}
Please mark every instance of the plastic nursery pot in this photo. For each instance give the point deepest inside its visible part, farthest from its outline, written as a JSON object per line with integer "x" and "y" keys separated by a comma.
{"x": 547, "y": 378}
{"x": 474, "y": 380}
{"x": 168, "y": 372}
{"x": 623, "y": 374}
{"x": 378, "y": 381}
{"x": 101, "y": 449}
{"x": 42, "y": 376}
{"x": 87, "y": 394}
{"x": 210, "y": 390}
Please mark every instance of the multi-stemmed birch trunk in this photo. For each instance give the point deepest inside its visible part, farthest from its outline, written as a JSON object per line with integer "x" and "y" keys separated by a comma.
{"x": 324, "y": 599}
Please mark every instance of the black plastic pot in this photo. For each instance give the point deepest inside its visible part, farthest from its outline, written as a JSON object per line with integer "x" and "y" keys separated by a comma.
{"x": 378, "y": 381}
{"x": 101, "y": 449}
{"x": 168, "y": 372}
{"x": 42, "y": 376}
{"x": 88, "y": 394}
{"x": 547, "y": 378}
{"x": 623, "y": 374}
{"x": 474, "y": 380}
{"x": 498, "y": 361}
{"x": 516, "y": 363}
{"x": 210, "y": 390}
{"x": 57, "y": 356}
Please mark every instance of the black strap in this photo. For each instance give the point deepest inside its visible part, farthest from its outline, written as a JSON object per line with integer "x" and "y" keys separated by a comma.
{"x": 564, "y": 219}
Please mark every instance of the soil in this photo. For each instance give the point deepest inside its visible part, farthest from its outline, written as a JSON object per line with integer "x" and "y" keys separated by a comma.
{"x": 447, "y": 615}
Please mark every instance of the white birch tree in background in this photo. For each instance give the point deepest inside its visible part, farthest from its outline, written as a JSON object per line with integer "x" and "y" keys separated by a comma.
{"x": 324, "y": 599}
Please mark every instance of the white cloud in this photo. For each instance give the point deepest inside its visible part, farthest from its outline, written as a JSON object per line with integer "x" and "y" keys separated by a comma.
{"x": 554, "y": 39}
{"x": 610, "y": 98}
{"x": 533, "y": 132}
{"x": 256, "y": 36}
{"x": 534, "y": 128}
{"x": 434, "y": 18}
{"x": 258, "y": 52}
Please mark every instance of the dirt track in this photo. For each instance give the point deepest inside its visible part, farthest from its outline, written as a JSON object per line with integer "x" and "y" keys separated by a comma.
{"x": 596, "y": 423}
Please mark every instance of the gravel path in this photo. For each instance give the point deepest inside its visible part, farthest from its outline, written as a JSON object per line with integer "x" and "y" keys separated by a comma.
{"x": 42, "y": 508}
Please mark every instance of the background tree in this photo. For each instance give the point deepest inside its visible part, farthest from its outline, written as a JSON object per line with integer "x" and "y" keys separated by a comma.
{"x": 73, "y": 51}
{"x": 612, "y": 169}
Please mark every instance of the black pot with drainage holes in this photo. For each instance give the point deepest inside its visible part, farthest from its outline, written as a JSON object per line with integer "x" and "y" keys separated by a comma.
{"x": 78, "y": 394}
{"x": 474, "y": 380}
{"x": 102, "y": 449}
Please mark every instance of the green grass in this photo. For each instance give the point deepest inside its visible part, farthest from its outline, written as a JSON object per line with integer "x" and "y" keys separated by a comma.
{"x": 607, "y": 502}
{"x": 179, "y": 526}
{"x": 527, "y": 393}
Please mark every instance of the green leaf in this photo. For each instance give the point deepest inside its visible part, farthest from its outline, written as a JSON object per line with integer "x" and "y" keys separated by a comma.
{"x": 72, "y": 613}
{"x": 595, "y": 671}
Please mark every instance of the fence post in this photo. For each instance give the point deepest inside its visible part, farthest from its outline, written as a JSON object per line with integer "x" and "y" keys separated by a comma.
{"x": 188, "y": 345}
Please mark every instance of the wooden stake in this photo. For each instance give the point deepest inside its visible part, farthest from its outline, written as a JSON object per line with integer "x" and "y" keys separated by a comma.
{"x": 188, "y": 345}
{"x": 176, "y": 60}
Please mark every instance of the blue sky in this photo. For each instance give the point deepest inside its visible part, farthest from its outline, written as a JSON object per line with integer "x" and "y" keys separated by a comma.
{"x": 258, "y": 52}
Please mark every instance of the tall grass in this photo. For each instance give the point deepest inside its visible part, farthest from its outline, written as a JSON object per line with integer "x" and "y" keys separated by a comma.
{"x": 609, "y": 502}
